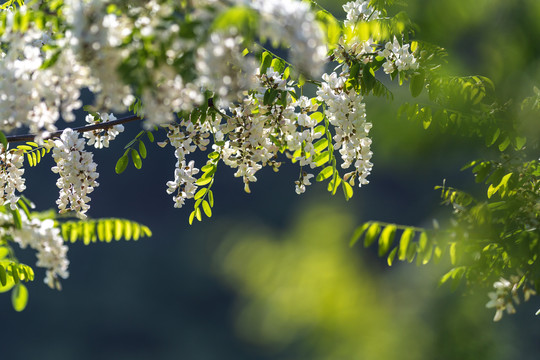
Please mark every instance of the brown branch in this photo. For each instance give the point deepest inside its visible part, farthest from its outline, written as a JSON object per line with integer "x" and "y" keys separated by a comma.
{"x": 82, "y": 129}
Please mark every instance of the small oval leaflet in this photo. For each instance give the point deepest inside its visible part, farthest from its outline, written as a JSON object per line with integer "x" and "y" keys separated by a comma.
{"x": 121, "y": 164}
{"x": 19, "y": 297}
{"x": 136, "y": 159}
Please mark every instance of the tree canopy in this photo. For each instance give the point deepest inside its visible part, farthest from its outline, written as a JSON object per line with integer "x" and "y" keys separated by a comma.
{"x": 248, "y": 85}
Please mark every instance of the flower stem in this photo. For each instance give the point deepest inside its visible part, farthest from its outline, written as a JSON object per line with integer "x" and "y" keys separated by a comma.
{"x": 82, "y": 129}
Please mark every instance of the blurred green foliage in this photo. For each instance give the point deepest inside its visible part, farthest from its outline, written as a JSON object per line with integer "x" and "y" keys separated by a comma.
{"x": 304, "y": 294}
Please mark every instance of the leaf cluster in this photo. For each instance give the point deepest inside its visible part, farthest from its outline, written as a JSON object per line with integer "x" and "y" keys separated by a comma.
{"x": 103, "y": 230}
{"x": 404, "y": 243}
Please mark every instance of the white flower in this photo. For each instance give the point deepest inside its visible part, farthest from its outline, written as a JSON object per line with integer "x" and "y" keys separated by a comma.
{"x": 44, "y": 237}
{"x": 505, "y": 295}
{"x": 303, "y": 182}
{"x": 78, "y": 173}
{"x": 184, "y": 183}
{"x": 359, "y": 11}
{"x": 11, "y": 179}
{"x": 100, "y": 138}
{"x": 398, "y": 57}
{"x": 293, "y": 24}
{"x": 222, "y": 67}
{"x": 346, "y": 112}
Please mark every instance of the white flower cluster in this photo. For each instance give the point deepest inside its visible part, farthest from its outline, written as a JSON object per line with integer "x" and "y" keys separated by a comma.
{"x": 293, "y": 24}
{"x": 29, "y": 95}
{"x": 77, "y": 173}
{"x": 11, "y": 179}
{"x": 184, "y": 182}
{"x": 505, "y": 295}
{"x": 185, "y": 137}
{"x": 359, "y": 11}
{"x": 305, "y": 138}
{"x": 256, "y": 130}
{"x": 222, "y": 67}
{"x": 398, "y": 57}
{"x": 100, "y": 138}
{"x": 99, "y": 39}
{"x": 346, "y": 112}
{"x": 45, "y": 238}
{"x": 95, "y": 38}
{"x": 303, "y": 182}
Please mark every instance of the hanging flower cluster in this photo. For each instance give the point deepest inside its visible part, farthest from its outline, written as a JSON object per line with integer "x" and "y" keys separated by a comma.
{"x": 346, "y": 112}
{"x": 100, "y": 138}
{"x": 78, "y": 173}
{"x": 11, "y": 179}
{"x": 506, "y": 295}
{"x": 293, "y": 24}
{"x": 185, "y": 138}
{"x": 44, "y": 237}
{"x": 397, "y": 57}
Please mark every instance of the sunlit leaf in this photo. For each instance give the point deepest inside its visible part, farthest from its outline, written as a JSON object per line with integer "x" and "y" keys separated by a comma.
{"x": 19, "y": 297}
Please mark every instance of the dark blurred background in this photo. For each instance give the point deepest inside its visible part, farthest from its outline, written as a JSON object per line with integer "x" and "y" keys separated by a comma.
{"x": 271, "y": 275}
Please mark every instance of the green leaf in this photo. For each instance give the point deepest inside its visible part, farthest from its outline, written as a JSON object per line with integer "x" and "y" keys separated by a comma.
{"x": 30, "y": 160}
{"x": 333, "y": 185}
{"x": 347, "y": 190}
{"x": 136, "y": 228}
{"x": 4, "y": 251}
{"x": 321, "y": 158}
{"x": 15, "y": 273}
{"x": 371, "y": 234}
{"x": 417, "y": 84}
{"x": 325, "y": 173}
{"x": 492, "y": 137}
{"x": 240, "y": 17}
{"x": 492, "y": 190}
{"x": 121, "y": 164}
{"x": 330, "y": 25}
{"x": 203, "y": 181}
{"x": 142, "y": 149}
{"x": 208, "y": 167}
{"x": 24, "y": 147}
{"x": 198, "y": 214}
{"x": 266, "y": 60}
{"x": 19, "y": 297}
{"x": 504, "y": 144}
{"x": 287, "y": 73}
{"x": 519, "y": 142}
{"x": 17, "y": 220}
{"x": 211, "y": 198}
{"x": 191, "y": 217}
{"x": 150, "y": 136}
{"x": 318, "y": 117}
{"x": 453, "y": 253}
{"x": 278, "y": 65}
{"x": 136, "y": 159}
{"x": 3, "y": 140}
{"x": 200, "y": 193}
{"x": 411, "y": 252}
{"x": 391, "y": 256}
{"x": 456, "y": 274}
{"x": 206, "y": 208}
{"x": 425, "y": 249}
{"x": 3, "y": 277}
{"x": 404, "y": 242}
{"x": 301, "y": 80}
{"x": 386, "y": 239}
{"x": 321, "y": 145}
{"x": 358, "y": 233}
{"x": 213, "y": 155}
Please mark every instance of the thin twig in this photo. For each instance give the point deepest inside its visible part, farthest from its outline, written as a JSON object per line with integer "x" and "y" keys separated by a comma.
{"x": 82, "y": 129}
